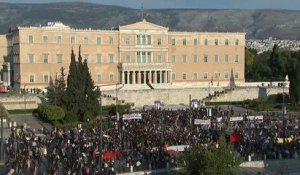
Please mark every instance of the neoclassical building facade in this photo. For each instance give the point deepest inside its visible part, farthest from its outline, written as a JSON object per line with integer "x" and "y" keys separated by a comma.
{"x": 137, "y": 53}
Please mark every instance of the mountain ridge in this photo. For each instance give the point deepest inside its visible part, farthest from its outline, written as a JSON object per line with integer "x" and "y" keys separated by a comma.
{"x": 258, "y": 24}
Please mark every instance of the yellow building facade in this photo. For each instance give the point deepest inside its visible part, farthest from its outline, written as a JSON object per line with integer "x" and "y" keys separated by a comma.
{"x": 137, "y": 53}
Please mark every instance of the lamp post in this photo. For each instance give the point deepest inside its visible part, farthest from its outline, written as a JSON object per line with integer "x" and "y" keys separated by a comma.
{"x": 283, "y": 114}
{"x": 24, "y": 95}
{"x": 100, "y": 149}
{"x": 2, "y": 149}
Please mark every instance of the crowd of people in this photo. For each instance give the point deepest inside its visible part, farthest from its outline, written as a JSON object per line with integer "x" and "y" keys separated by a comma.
{"x": 140, "y": 144}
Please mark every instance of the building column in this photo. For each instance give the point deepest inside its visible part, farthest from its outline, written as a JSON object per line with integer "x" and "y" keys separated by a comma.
{"x": 145, "y": 75}
{"x": 133, "y": 77}
{"x": 160, "y": 76}
{"x": 123, "y": 77}
{"x": 139, "y": 77}
{"x": 155, "y": 77}
{"x": 128, "y": 74}
{"x": 170, "y": 76}
{"x": 150, "y": 77}
{"x": 166, "y": 76}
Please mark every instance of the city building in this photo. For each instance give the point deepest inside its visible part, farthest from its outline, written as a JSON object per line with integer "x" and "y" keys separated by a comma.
{"x": 137, "y": 53}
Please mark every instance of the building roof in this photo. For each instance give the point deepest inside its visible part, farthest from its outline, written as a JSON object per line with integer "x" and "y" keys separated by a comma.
{"x": 142, "y": 25}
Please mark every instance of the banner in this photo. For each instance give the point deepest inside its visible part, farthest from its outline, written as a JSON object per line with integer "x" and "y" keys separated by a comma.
{"x": 202, "y": 122}
{"x": 235, "y": 119}
{"x": 234, "y": 138}
{"x": 219, "y": 119}
{"x": 133, "y": 116}
{"x": 178, "y": 148}
{"x": 260, "y": 117}
{"x": 110, "y": 155}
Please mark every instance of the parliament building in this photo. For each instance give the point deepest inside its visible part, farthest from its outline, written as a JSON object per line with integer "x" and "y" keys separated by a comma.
{"x": 137, "y": 53}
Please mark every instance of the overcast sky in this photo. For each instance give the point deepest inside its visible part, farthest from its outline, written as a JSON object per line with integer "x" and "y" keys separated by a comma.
{"x": 206, "y": 4}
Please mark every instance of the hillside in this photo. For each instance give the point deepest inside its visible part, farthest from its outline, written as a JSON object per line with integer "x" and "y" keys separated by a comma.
{"x": 258, "y": 24}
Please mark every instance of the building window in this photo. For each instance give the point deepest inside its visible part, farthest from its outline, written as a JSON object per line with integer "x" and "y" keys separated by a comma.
{"x": 99, "y": 77}
{"x": 46, "y": 58}
{"x": 128, "y": 59}
{"x": 205, "y": 58}
{"x": 236, "y": 58}
{"x": 45, "y": 39}
{"x": 226, "y": 42}
{"x": 127, "y": 41}
{"x": 226, "y": 75}
{"x": 111, "y": 58}
{"x": 31, "y": 58}
{"x": 138, "y": 57}
{"x": 216, "y": 42}
{"x": 111, "y": 40}
{"x": 111, "y": 77}
{"x": 216, "y": 75}
{"x": 184, "y": 42}
{"x": 206, "y": 42}
{"x": 195, "y": 41}
{"x": 226, "y": 58}
{"x": 173, "y": 41}
{"x": 30, "y": 39}
{"x": 149, "y": 39}
{"x": 46, "y": 78}
{"x": 159, "y": 59}
{"x": 216, "y": 58}
{"x": 85, "y": 40}
{"x": 58, "y": 39}
{"x": 143, "y": 39}
{"x": 149, "y": 57}
{"x": 72, "y": 40}
{"x": 195, "y": 58}
{"x": 98, "y": 59}
{"x": 31, "y": 78}
{"x": 159, "y": 41}
{"x": 236, "y": 75}
{"x": 173, "y": 76}
{"x": 144, "y": 57}
{"x": 184, "y": 75}
{"x": 98, "y": 40}
{"x": 184, "y": 58}
{"x": 138, "y": 40}
{"x": 59, "y": 58}
{"x": 236, "y": 42}
{"x": 195, "y": 76}
{"x": 205, "y": 75}
{"x": 173, "y": 59}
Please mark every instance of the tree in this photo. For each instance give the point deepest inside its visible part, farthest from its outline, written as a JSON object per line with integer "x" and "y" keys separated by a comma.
{"x": 92, "y": 93}
{"x": 71, "y": 100}
{"x": 293, "y": 71}
{"x": 50, "y": 112}
{"x": 56, "y": 90}
{"x": 81, "y": 96}
{"x": 217, "y": 158}
{"x": 277, "y": 64}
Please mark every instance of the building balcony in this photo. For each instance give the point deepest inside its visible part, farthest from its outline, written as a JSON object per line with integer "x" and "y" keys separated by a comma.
{"x": 144, "y": 66}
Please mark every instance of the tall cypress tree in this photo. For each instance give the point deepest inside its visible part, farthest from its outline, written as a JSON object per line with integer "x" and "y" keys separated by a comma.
{"x": 71, "y": 95}
{"x": 91, "y": 92}
{"x": 277, "y": 64}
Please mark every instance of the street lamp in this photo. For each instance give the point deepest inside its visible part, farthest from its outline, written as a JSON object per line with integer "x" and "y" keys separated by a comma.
{"x": 283, "y": 113}
{"x": 100, "y": 114}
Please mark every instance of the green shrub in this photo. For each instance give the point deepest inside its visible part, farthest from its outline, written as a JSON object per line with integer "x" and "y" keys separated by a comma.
{"x": 88, "y": 116}
{"x": 71, "y": 116}
{"x": 50, "y": 112}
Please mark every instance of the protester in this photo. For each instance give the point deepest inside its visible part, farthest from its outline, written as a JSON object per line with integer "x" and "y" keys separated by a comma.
{"x": 143, "y": 141}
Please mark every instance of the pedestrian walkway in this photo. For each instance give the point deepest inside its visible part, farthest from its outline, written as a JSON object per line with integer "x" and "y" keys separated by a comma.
{"x": 29, "y": 120}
